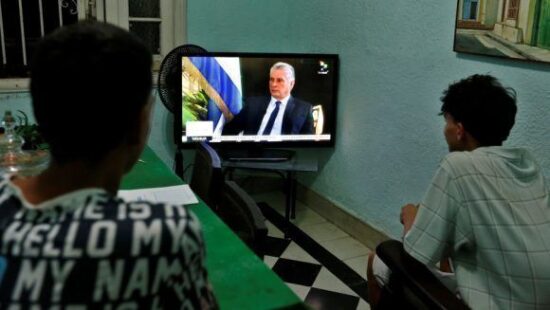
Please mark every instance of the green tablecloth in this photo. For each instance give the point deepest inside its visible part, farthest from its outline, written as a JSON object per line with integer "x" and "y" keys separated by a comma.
{"x": 239, "y": 278}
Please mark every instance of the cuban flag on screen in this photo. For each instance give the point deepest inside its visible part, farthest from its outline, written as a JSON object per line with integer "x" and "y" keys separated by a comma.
{"x": 220, "y": 77}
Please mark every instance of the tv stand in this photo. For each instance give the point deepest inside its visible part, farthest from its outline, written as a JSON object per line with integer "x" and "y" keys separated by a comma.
{"x": 257, "y": 155}
{"x": 286, "y": 169}
{"x": 258, "y": 159}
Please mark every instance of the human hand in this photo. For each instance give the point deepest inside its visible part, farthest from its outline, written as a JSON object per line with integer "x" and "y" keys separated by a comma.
{"x": 407, "y": 216}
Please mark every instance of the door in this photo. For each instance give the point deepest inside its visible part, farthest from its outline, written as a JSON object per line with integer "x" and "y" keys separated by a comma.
{"x": 469, "y": 10}
{"x": 542, "y": 33}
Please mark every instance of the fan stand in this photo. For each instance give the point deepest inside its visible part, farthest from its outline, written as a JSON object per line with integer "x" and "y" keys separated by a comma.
{"x": 169, "y": 84}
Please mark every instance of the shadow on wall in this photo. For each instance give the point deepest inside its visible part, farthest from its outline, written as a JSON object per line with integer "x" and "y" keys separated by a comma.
{"x": 528, "y": 65}
{"x": 323, "y": 155}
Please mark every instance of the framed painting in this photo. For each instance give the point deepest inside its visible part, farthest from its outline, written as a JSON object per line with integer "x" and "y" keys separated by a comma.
{"x": 517, "y": 29}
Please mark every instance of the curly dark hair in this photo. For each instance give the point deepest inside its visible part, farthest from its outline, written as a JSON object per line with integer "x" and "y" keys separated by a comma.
{"x": 486, "y": 109}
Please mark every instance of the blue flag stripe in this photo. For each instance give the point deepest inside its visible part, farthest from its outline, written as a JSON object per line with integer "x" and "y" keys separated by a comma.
{"x": 220, "y": 81}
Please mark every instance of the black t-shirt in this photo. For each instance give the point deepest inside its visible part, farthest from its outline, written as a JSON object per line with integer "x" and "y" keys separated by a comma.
{"x": 91, "y": 250}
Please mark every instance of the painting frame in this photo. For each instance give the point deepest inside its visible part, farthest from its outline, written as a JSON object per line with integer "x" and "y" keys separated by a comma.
{"x": 513, "y": 29}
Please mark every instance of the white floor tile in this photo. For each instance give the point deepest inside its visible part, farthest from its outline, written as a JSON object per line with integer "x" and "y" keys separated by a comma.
{"x": 345, "y": 248}
{"x": 363, "y": 305}
{"x": 323, "y": 231}
{"x": 358, "y": 264}
{"x": 273, "y": 231}
{"x": 299, "y": 290}
{"x": 294, "y": 252}
{"x": 270, "y": 260}
{"x": 336, "y": 241}
{"x": 328, "y": 281}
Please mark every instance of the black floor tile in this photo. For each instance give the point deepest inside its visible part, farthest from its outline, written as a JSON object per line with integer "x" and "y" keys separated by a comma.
{"x": 342, "y": 271}
{"x": 274, "y": 246}
{"x": 321, "y": 299}
{"x": 296, "y": 272}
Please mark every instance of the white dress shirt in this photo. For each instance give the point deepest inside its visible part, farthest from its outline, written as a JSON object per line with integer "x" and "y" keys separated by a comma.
{"x": 278, "y": 125}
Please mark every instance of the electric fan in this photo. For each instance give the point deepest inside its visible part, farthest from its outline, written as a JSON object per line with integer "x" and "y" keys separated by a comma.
{"x": 168, "y": 88}
{"x": 169, "y": 75}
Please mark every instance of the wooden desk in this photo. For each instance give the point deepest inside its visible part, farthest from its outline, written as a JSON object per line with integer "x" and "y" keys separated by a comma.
{"x": 287, "y": 169}
{"x": 239, "y": 278}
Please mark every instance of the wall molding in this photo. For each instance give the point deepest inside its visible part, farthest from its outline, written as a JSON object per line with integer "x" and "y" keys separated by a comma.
{"x": 340, "y": 217}
{"x": 335, "y": 214}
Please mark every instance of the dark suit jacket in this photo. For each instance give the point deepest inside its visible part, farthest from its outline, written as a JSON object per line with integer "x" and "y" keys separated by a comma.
{"x": 298, "y": 117}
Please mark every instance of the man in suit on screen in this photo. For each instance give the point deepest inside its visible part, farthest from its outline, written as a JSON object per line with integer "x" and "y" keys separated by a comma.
{"x": 280, "y": 114}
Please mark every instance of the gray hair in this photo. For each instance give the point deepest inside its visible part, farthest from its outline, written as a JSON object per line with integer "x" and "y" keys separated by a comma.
{"x": 284, "y": 66}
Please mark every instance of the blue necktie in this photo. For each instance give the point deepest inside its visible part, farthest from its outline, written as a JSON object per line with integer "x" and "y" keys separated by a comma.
{"x": 271, "y": 121}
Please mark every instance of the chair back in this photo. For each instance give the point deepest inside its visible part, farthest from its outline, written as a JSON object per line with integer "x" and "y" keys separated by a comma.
{"x": 206, "y": 180}
{"x": 412, "y": 285}
{"x": 241, "y": 213}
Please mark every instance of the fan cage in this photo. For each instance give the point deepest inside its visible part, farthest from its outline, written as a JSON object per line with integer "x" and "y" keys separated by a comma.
{"x": 169, "y": 75}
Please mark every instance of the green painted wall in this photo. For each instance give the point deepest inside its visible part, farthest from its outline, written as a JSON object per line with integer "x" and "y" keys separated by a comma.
{"x": 396, "y": 58}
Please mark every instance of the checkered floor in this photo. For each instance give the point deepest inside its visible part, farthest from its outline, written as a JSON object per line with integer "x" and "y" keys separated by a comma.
{"x": 323, "y": 265}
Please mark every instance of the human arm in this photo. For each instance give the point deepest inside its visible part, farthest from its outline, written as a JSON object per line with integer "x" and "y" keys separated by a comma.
{"x": 199, "y": 274}
{"x": 248, "y": 119}
{"x": 432, "y": 232}
{"x": 183, "y": 273}
{"x": 407, "y": 216}
{"x": 235, "y": 124}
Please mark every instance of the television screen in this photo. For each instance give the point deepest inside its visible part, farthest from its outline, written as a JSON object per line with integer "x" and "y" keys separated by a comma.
{"x": 251, "y": 98}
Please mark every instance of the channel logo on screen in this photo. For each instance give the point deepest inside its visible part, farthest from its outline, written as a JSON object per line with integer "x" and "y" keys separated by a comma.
{"x": 323, "y": 67}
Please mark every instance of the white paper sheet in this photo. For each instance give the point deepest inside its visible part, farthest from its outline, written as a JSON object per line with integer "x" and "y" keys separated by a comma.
{"x": 180, "y": 194}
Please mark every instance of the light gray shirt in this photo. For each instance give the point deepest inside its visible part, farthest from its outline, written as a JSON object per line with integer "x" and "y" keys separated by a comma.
{"x": 489, "y": 210}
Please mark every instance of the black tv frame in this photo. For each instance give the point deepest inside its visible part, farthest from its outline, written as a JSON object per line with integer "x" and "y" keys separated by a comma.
{"x": 257, "y": 145}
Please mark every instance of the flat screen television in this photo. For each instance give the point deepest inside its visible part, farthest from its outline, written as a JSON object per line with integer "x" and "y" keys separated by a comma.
{"x": 229, "y": 98}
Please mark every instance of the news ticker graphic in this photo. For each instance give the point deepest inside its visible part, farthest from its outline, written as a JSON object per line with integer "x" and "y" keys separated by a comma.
{"x": 257, "y": 138}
